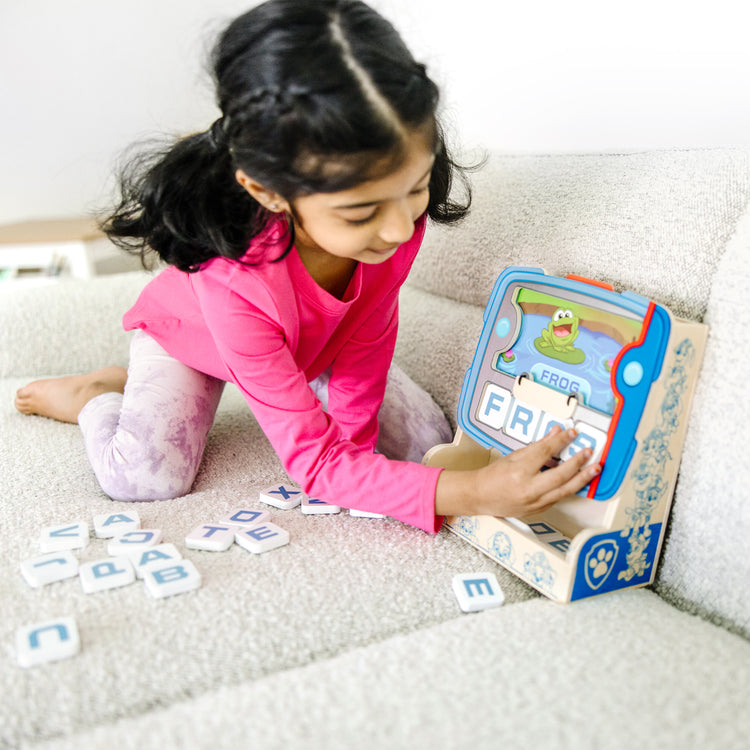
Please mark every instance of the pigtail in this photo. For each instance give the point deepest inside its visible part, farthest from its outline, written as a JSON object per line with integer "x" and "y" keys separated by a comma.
{"x": 183, "y": 203}
{"x": 446, "y": 206}
{"x": 314, "y": 96}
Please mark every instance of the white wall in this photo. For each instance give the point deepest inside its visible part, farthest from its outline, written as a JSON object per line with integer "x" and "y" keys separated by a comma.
{"x": 82, "y": 79}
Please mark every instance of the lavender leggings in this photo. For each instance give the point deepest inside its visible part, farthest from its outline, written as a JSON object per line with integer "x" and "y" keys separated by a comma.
{"x": 147, "y": 444}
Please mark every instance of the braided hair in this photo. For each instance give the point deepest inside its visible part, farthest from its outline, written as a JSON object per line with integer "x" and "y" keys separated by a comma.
{"x": 313, "y": 95}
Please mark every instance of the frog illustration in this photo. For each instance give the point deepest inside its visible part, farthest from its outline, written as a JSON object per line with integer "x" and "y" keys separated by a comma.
{"x": 557, "y": 338}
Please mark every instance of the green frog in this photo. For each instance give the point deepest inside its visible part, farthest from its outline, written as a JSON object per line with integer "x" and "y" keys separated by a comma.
{"x": 557, "y": 338}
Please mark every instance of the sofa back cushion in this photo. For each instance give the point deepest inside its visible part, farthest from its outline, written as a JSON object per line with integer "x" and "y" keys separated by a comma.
{"x": 705, "y": 564}
{"x": 654, "y": 223}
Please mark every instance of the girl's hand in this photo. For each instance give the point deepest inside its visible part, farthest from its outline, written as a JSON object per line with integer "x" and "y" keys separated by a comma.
{"x": 515, "y": 485}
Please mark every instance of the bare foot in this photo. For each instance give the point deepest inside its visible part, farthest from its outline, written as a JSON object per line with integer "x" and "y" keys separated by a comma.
{"x": 63, "y": 398}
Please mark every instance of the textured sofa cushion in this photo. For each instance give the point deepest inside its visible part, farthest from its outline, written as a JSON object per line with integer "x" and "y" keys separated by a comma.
{"x": 616, "y": 672}
{"x": 68, "y": 327}
{"x": 705, "y": 564}
{"x": 357, "y": 615}
{"x": 341, "y": 582}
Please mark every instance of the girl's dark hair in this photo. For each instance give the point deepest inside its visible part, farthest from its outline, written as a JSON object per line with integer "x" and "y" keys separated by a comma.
{"x": 313, "y": 94}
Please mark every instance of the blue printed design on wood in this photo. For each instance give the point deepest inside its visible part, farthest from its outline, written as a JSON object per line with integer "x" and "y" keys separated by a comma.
{"x": 623, "y": 559}
{"x": 538, "y": 572}
{"x": 536, "y": 568}
{"x": 604, "y": 563}
{"x": 501, "y": 547}
{"x": 467, "y": 526}
{"x": 650, "y": 486}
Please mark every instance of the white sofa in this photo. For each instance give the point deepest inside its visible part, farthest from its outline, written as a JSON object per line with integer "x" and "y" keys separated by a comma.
{"x": 350, "y": 636}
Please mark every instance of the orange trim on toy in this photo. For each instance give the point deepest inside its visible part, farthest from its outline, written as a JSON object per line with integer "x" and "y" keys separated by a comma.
{"x": 593, "y": 282}
{"x": 619, "y": 400}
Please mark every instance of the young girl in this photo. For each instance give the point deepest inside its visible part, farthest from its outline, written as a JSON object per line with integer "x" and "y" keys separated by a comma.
{"x": 289, "y": 227}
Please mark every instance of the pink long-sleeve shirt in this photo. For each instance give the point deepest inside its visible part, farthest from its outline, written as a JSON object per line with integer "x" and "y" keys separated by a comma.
{"x": 270, "y": 329}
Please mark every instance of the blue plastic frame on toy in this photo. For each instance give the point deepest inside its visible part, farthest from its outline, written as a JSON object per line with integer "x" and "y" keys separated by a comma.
{"x": 635, "y": 368}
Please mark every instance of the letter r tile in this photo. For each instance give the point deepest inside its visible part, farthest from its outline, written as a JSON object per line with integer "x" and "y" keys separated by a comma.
{"x": 39, "y": 571}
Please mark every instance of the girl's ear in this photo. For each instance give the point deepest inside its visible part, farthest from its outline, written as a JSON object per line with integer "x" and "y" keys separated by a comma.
{"x": 269, "y": 199}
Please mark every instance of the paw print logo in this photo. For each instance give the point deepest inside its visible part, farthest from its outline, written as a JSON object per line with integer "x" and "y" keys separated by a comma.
{"x": 599, "y": 562}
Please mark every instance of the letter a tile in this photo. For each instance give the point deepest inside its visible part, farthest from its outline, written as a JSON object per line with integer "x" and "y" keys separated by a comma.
{"x": 108, "y": 525}
{"x": 153, "y": 557}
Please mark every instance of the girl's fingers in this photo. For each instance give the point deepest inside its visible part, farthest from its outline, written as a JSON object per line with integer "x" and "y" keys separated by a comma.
{"x": 571, "y": 488}
{"x": 552, "y": 444}
{"x": 567, "y": 478}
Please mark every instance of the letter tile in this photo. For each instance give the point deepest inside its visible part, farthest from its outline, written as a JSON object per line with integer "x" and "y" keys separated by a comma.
{"x": 244, "y": 517}
{"x": 171, "y": 579}
{"x": 588, "y": 437}
{"x": 364, "y": 513}
{"x": 211, "y": 537}
{"x": 262, "y": 538}
{"x": 68, "y": 536}
{"x": 282, "y": 496}
{"x": 108, "y": 525}
{"x": 153, "y": 557}
{"x": 477, "y": 591}
{"x": 523, "y": 421}
{"x": 493, "y": 409}
{"x": 131, "y": 541}
{"x": 47, "y": 641}
{"x": 109, "y": 573}
{"x": 39, "y": 571}
{"x": 549, "y": 421}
